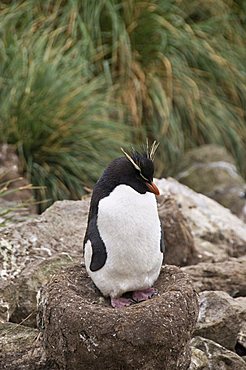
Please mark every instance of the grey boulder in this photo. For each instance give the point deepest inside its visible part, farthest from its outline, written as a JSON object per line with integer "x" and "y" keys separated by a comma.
{"x": 208, "y": 355}
{"x": 21, "y": 348}
{"x": 217, "y": 233}
{"x": 229, "y": 276}
{"x": 220, "y": 318}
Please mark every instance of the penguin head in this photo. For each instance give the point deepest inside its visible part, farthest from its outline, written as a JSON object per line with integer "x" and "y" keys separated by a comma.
{"x": 134, "y": 169}
{"x": 144, "y": 170}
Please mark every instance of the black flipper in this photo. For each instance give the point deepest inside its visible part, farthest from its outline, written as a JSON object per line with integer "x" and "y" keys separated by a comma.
{"x": 162, "y": 245}
{"x": 99, "y": 253}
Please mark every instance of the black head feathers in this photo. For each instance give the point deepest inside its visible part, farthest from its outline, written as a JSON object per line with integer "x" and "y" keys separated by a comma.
{"x": 143, "y": 162}
{"x": 135, "y": 156}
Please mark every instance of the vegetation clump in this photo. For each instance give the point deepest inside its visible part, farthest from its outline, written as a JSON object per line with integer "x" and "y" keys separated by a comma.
{"x": 79, "y": 79}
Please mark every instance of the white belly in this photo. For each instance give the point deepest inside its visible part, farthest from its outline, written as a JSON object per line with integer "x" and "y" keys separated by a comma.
{"x": 129, "y": 226}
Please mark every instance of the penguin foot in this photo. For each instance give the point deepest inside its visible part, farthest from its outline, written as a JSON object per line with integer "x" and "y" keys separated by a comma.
{"x": 143, "y": 295}
{"x": 121, "y": 302}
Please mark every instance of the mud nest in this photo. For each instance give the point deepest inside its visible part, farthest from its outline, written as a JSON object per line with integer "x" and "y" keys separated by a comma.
{"x": 82, "y": 331}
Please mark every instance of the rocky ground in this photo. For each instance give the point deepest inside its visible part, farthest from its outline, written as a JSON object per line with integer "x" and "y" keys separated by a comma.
{"x": 78, "y": 329}
{"x": 52, "y": 317}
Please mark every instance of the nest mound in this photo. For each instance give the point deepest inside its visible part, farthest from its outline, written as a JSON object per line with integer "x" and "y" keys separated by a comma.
{"x": 82, "y": 331}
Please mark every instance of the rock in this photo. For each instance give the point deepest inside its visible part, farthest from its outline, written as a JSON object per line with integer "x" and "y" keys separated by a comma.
{"x": 21, "y": 348}
{"x": 241, "y": 337}
{"x": 60, "y": 229}
{"x": 223, "y": 320}
{"x": 178, "y": 239}
{"x": 223, "y": 182}
{"x": 82, "y": 331}
{"x": 241, "y": 341}
{"x": 18, "y": 297}
{"x": 241, "y": 308}
{"x": 12, "y": 213}
{"x": 8, "y": 300}
{"x": 199, "y": 360}
{"x": 220, "y": 318}
{"x": 218, "y": 357}
{"x": 218, "y": 234}
{"x": 229, "y": 276}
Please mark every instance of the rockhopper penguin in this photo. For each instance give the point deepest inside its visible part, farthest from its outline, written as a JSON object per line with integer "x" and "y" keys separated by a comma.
{"x": 123, "y": 245}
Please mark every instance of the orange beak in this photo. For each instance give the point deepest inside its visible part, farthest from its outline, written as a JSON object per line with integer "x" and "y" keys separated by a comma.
{"x": 153, "y": 188}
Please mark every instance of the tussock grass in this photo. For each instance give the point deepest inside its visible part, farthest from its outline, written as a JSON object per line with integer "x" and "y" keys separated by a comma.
{"x": 62, "y": 118}
{"x": 180, "y": 69}
{"x": 71, "y": 71}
